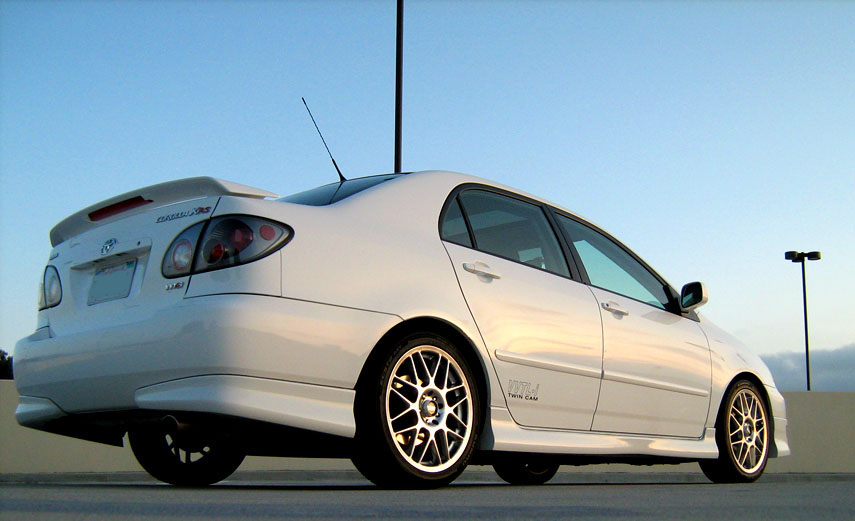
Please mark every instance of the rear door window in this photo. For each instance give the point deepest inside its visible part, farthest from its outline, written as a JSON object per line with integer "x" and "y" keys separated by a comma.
{"x": 453, "y": 228}
{"x": 512, "y": 229}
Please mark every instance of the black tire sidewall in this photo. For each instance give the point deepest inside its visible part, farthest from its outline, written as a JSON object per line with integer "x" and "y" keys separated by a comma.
{"x": 520, "y": 473}
{"x": 153, "y": 454}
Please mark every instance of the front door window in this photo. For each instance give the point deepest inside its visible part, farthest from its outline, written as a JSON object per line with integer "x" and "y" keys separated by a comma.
{"x": 610, "y": 267}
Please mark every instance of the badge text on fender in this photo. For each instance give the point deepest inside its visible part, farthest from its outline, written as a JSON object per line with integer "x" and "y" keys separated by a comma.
{"x": 522, "y": 390}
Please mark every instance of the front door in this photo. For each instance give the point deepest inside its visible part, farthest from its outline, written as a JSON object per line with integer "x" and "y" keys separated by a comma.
{"x": 656, "y": 362}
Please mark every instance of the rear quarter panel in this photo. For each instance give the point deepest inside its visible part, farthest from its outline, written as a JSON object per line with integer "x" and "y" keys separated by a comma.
{"x": 378, "y": 251}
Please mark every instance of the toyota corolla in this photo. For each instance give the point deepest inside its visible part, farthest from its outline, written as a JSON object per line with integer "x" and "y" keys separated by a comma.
{"x": 414, "y": 323}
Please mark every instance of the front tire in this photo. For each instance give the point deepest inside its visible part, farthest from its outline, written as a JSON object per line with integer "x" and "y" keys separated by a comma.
{"x": 742, "y": 436}
{"x": 418, "y": 416}
{"x": 181, "y": 459}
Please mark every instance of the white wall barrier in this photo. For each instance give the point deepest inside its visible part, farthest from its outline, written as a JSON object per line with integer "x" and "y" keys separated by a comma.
{"x": 820, "y": 428}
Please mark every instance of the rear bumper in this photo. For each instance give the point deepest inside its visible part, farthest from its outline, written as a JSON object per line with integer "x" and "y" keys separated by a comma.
{"x": 273, "y": 359}
{"x": 309, "y": 407}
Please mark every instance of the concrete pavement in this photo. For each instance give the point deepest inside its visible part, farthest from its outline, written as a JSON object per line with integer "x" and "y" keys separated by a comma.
{"x": 343, "y": 495}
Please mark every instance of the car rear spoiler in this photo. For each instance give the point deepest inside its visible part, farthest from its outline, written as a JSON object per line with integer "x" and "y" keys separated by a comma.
{"x": 144, "y": 199}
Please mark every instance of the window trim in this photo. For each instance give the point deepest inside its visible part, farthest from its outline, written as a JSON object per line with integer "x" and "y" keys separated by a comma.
{"x": 569, "y": 259}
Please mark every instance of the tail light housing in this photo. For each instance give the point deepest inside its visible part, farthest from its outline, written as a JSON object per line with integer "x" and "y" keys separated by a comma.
{"x": 50, "y": 290}
{"x": 223, "y": 242}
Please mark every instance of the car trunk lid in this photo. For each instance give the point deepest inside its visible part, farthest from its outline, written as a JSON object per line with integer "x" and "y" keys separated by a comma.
{"x": 109, "y": 255}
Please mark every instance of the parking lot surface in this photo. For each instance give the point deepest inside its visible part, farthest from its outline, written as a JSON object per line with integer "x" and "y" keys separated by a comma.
{"x": 343, "y": 495}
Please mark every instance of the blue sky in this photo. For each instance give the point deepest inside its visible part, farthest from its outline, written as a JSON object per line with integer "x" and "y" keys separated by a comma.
{"x": 709, "y": 136}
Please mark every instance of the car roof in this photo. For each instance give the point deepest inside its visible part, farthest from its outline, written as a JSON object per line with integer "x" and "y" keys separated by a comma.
{"x": 457, "y": 178}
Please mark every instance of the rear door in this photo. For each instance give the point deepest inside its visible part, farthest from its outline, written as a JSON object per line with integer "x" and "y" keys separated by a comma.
{"x": 541, "y": 327}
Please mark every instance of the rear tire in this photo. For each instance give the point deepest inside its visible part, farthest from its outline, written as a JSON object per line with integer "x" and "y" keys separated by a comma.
{"x": 181, "y": 459}
{"x": 525, "y": 473}
{"x": 742, "y": 436}
{"x": 417, "y": 415}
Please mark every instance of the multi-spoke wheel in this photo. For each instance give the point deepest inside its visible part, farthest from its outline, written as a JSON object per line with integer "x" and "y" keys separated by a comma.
{"x": 525, "y": 473}
{"x": 181, "y": 459}
{"x": 417, "y": 422}
{"x": 742, "y": 436}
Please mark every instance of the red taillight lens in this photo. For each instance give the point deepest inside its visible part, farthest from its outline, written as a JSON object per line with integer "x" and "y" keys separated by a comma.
{"x": 241, "y": 238}
{"x": 267, "y": 232}
{"x": 225, "y": 241}
{"x": 214, "y": 251}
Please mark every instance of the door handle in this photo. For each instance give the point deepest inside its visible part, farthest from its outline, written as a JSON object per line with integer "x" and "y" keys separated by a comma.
{"x": 615, "y": 308}
{"x": 480, "y": 269}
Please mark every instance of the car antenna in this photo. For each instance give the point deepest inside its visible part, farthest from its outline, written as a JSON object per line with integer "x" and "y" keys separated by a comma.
{"x": 341, "y": 177}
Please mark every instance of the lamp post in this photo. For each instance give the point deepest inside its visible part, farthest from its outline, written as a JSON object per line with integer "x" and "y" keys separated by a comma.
{"x": 399, "y": 71}
{"x": 800, "y": 257}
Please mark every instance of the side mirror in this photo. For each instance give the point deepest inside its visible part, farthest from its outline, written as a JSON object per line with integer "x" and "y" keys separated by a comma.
{"x": 694, "y": 295}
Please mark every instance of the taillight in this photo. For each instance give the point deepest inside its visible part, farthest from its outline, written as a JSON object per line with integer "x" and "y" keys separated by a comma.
{"x": 179, "y": 257}
{"x": 223, "y": 242}
{"x": 50, "y": 290}
{"x": 182, "y": 255}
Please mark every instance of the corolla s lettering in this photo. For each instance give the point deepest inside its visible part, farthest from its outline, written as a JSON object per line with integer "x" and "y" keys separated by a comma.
{"x": 186, "y": 213}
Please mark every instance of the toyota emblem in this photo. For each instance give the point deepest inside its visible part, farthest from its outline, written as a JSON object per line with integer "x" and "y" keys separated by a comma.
{"x": 108, "y": 246}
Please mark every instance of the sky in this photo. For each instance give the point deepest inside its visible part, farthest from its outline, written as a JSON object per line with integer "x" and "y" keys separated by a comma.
{"x": 709, "y": 137}
{"x": 830, "y": 370}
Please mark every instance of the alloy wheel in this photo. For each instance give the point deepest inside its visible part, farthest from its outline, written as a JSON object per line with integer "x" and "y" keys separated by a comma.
{"x": 429, "y": 409}
{"x": 747, "y": 431}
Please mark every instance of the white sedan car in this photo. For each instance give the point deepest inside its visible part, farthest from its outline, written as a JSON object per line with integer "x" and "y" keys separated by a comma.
{"x": 414, "y": 323}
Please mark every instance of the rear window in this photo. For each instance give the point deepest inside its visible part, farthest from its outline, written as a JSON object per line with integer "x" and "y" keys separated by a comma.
{"x": 335, "y": 192}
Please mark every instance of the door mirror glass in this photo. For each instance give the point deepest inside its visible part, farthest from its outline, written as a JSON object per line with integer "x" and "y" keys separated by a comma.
{"x": 694, "y": 295}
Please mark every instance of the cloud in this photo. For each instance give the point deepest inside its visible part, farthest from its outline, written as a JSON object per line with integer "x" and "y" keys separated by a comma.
{"x": 830, "y": 370}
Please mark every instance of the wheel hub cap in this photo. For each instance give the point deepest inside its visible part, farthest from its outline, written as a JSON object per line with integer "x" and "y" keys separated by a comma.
{"x": 431, "y": 406}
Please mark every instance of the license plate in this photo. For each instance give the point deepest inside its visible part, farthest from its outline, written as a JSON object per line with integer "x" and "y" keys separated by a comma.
{"x": 112, "y": 282}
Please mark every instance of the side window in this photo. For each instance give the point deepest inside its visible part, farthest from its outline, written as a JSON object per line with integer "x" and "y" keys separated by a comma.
{"x": 453, "y": 227}
{"x": 513, "y": 229}
{"x": 610, "y": 267}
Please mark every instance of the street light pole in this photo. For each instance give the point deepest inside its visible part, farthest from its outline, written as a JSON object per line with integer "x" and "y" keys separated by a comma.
{"x": 807, "y": 342}
{"x": 399, "y": 72}
{"x": 800, "y": 257}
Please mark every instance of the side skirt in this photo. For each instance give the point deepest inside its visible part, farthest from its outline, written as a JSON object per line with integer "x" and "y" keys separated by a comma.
{"x": 502, "y": 434}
